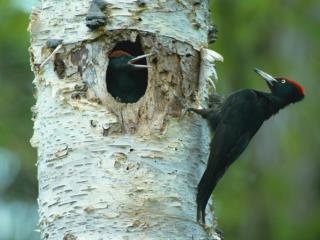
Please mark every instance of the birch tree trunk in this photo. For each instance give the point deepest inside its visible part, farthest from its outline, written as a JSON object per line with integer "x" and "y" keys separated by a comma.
{"x": 112, "y": 170}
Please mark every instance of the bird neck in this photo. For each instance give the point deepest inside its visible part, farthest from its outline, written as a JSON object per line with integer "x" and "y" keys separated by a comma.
{"x": 273, "y": 103}
{"x": 277, "y": 102}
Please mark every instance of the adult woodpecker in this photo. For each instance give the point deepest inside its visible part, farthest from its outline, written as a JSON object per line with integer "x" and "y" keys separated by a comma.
{"x": 126, "y": 80}
{"x": 235, "y": 121}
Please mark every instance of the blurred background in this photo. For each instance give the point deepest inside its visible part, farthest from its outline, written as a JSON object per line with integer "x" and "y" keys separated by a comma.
{"x": 18, "y": 182}
{"x": 271, "y": 192}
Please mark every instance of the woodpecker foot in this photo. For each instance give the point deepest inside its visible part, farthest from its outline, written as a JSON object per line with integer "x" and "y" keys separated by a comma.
{"x": 215, "y": 99}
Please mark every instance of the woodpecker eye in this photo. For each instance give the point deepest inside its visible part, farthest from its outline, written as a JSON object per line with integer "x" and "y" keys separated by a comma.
{"x": 283, "y": 81}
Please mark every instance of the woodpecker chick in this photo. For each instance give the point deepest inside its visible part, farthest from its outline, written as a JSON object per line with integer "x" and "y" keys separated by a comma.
{"x": 235, "y": 122}
{"x": 126, "y": 80}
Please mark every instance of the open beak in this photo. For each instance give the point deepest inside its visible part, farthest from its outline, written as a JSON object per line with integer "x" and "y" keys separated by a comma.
{"x": 268, "y": 78}
{"x": 133, "y": 60}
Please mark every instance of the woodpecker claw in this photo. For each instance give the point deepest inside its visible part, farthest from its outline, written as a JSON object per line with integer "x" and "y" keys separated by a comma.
{"x": 132, "y": 61}
{"x": 270, "y": 80}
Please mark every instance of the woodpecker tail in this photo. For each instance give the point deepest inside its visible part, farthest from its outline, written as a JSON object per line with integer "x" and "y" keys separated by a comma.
{"x": 206, "y": 186}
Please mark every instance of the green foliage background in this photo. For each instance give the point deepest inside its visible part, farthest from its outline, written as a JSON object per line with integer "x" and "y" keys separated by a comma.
{"x": 272, "y": 192}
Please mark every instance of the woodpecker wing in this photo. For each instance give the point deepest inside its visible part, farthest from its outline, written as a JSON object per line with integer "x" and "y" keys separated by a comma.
{"x": 239, "y": 121}
{"x": 240, "y": 118}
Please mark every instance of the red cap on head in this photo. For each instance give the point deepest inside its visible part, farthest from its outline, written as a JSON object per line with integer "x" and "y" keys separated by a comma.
{"x": 297, "y": 85}
{"x": 118, "y": 53}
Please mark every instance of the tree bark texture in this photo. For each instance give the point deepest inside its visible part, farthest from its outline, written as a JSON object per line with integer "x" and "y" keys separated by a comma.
{"x": 112, "y": 170}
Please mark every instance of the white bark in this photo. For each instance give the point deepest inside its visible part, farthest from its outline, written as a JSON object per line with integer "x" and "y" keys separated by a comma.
{"x": 109, "y": 170}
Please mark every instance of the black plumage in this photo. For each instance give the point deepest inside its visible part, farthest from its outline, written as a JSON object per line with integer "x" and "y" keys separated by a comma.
{"x": 235, "y": 121}
{"x": 126, "y": 81}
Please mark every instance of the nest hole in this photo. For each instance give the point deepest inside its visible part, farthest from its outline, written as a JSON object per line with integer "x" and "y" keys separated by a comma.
{"x": 127, "y": 82}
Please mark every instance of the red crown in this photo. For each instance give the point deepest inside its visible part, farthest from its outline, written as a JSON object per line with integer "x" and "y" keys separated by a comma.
{"x": 297, "y": 85}
{"x": 118, "y": 53}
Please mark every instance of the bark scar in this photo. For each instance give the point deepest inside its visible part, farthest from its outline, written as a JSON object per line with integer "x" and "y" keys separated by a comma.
{"x": 59, "y": 66}
{"x": 69, "y": 236}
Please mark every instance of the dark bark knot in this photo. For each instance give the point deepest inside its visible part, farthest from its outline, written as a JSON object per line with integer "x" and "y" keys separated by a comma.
{"x": 53, "y": 43}
{"x": 69, "y": 236}
{"x": 96, "y": 17}
{"x": 141, "y": 3}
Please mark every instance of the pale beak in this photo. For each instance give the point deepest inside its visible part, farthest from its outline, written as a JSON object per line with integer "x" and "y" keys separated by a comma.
{"x": 268, "y": 78}
{"x": 133, "y": 60}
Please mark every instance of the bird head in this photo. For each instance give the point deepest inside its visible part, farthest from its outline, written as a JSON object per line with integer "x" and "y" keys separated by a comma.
{"x": 125, "y": 60}
{"x": 288, "y": 90}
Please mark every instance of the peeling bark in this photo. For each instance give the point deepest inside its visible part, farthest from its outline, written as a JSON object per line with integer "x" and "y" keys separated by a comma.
{"x": 106, "y": 169}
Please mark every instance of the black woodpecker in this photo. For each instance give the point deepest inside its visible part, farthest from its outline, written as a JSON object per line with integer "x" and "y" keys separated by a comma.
{"x": 126, "y": 80}
{"x": 235, "y": 121}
